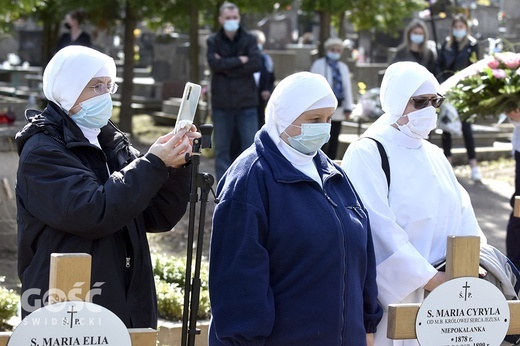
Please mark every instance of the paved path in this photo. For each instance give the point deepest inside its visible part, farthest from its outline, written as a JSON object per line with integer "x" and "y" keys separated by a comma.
{"x": 490, "y": 198}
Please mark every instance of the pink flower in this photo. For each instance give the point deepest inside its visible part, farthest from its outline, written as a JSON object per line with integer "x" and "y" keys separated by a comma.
{"x": 493, "y": 64}
{"x": 499, "y": 74}
{"x": 511, "y": 60}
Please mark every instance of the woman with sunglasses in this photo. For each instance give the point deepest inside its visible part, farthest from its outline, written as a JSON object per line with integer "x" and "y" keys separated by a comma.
{"x": 411, "y": 213}
{"x": 82, "y": 187}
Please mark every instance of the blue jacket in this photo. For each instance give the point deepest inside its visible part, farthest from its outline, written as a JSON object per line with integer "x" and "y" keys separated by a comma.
{"x": 290, "y": 263}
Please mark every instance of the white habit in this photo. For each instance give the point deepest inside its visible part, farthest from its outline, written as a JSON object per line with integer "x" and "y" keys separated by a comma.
{"x": 411, "y": 220}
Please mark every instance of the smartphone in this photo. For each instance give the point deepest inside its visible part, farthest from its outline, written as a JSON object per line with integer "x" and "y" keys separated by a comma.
{"x": 188, "y": 107}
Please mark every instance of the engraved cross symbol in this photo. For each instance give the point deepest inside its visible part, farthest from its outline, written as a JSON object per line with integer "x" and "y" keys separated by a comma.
{"x": 466, "y": 286}
{"x": 72, "y": 312}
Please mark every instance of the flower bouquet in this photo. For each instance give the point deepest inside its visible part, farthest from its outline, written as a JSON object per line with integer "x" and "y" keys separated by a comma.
{"x": 489, "y": 87}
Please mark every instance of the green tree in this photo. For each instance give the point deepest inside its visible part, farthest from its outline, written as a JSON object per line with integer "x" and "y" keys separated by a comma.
{"x": 380, "y": 15}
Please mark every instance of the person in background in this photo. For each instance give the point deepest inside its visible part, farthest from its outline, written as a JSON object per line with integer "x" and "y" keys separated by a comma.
{"x": 291, "y": 256}
{"x": 264, "y": 78}
{"x": 76, "y": 35}
{"x": 416, "y": 46}
{"x": 513, "y": 225}
{"x": 82, "y": 187}
{"x": 420, "y": 203}
{"x": 233, "y": 57}
{"x": 338, "y": 75}
{"x": 458, "y": 51}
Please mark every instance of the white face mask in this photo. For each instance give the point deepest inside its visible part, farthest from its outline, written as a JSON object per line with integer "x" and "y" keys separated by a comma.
{"x": 311, "y": 139}
{"x": 420, "y": 123}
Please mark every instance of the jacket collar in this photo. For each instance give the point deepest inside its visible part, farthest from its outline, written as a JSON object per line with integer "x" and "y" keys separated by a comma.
{"x": 283, "y": 170}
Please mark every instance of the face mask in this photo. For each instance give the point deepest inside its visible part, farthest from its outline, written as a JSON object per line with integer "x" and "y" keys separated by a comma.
{"x": 260, "y": 47}
{"x": 67, "y": 26}
{"x": 417, "y": 39}
{"x": 231, "y": 25}
{"x": 95, "y": 112}
{"x": 333, "y": 56}
{"x": 459, "y": 34}
{"x": 420, "y": 123}
{"x": 311, "y": 139}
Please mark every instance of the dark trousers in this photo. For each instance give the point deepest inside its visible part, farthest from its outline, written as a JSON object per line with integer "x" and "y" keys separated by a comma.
{"x": 469, "y": 141}
{"x": 513, "y": 226}
{"x": 331, "y": 147}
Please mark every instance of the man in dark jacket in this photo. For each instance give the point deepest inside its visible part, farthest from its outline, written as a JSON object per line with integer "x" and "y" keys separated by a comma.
{"x": 233, "y": 57}
{"x": 82, "y": 187}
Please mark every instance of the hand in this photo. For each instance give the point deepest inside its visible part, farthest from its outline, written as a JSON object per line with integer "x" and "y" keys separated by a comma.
{"x": 514, "y": 115}
{"x": 265, "y": 95}
{"x": 370, "y": 339}
{"x": 347, "y": 114}
{"x": 244, "y": 59}
{"x": 435, "y": 281}
{"x": 172, "y": 148}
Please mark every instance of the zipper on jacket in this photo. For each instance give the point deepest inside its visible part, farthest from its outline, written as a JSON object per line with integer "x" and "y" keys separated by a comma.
{"x": 356, "y": 210}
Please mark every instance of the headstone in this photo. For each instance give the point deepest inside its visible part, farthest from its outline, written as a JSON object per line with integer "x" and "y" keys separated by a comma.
{"x": 462, "y": 262}
{"x": 69, "y": 273}
{"x": 30, "y": 46}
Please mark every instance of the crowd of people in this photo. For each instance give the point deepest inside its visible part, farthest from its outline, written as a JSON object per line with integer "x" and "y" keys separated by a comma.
{"x": 304, "y": 251}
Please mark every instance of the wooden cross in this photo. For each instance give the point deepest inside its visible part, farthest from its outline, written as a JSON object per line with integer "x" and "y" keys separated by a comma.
{"x": 462, "y": 260}
{"x": 69, "y": 269}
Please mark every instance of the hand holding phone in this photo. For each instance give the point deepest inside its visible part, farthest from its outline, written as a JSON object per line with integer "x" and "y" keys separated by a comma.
{"x": 188, "y": 107}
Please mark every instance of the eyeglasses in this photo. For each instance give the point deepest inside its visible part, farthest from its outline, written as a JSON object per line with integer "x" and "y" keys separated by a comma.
{"x": 422, "y": 102}
{"x": 101, "y": 88}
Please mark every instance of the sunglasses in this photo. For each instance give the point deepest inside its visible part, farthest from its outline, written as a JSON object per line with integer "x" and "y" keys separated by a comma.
{"x": 422, "y": 102}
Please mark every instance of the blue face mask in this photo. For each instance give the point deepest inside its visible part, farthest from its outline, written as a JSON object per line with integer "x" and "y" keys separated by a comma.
{"x": 417, "y": 39}
{"x": 231, "y": 25}
{"x": 94, "y": 112}
{"x": 311, "y": 139}
{"x": 459, "y": 34}
{"x": 333, "y": 56}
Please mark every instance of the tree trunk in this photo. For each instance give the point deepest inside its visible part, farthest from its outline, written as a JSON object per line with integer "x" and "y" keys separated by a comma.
{"x": 127, "y": 90}
{"x": 342, "y": 34}
{"x": 325, "y": 19}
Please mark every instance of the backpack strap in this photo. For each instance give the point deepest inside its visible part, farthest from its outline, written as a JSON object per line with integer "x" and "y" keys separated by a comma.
{"x": 384, "y": 160}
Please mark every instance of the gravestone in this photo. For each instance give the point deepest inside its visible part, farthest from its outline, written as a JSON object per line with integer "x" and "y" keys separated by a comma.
{"x": 462, "y": 261}
{"x": 68, "y": 273}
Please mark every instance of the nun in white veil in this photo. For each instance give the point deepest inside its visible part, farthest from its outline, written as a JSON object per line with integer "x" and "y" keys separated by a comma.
{"x": 291, "y": 258}
{"x": 414, "y": 211}
{"x": 82, "y": 187}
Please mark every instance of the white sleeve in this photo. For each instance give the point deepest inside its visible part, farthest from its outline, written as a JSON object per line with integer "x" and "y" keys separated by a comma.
{"x": 401, "y": 269}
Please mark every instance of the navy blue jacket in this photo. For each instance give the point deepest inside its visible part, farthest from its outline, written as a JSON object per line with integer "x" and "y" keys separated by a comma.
{"x": 452, "y": 59}
{"x": 232, "y": 82}
{"x": 67, "y": 202}
{"x": 291, "y": 263}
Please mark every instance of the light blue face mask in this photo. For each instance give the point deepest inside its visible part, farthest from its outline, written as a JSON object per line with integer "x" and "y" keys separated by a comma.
{"x": 311, "y": 139}
{"x": 231, "y": 25}
{"x": 459, "y": 34}
{"x": 94, "y": 112}
{"x": 333, "y": 56}
{"x": 417, "y": 39}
